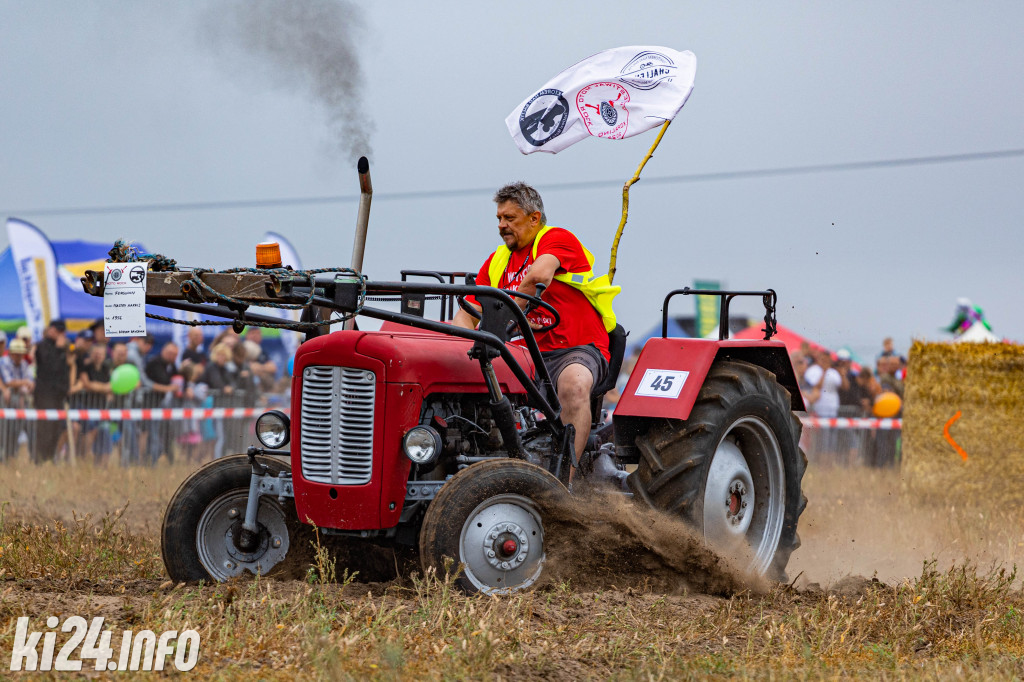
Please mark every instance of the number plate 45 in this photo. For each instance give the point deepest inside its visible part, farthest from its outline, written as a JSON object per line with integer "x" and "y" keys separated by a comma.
{"x": 661, "y": 383}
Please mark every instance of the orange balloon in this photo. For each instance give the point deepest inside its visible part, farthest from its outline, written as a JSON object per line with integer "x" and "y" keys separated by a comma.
{"x": 887, "y": 405}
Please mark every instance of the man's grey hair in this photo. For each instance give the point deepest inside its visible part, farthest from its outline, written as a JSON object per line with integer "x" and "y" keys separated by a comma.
{"x": 524, "y": 196}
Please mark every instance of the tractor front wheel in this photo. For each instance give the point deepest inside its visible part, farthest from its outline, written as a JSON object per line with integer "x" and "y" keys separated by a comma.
{"x": 489, "y": 519}
{"x": 733, "y": 469}
{"x": 202, "y": 528}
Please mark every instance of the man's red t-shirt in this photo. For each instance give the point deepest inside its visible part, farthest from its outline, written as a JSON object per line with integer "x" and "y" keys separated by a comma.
{"x": 580, "y": 323}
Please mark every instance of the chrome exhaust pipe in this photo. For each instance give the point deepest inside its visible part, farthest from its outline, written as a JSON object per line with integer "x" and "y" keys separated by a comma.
{"x": 362, "y": 221}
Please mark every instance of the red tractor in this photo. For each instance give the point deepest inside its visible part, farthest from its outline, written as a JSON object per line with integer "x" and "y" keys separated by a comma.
{"x": 448, "y": 441}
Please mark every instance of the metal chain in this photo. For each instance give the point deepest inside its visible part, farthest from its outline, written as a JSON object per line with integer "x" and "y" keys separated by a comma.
{"x": 770, "y": 327}
{"x": 293, "y": 326}
{"x": 123, "y": 252}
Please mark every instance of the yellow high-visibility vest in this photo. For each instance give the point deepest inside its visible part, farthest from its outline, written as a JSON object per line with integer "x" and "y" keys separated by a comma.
{"x": 598, "y": 290}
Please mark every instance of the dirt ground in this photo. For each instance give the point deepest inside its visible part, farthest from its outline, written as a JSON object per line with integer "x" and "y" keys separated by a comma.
{"x": 85, "y": 541}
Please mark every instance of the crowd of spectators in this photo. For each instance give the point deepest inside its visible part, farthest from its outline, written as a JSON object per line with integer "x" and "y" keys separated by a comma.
{"x": 834, "y": 386}
{"x": 235, "y": 370}
{"x": 231, "y": 370}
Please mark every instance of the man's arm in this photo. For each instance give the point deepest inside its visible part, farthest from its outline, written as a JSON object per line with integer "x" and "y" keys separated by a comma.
{"x": 11, "y": 380}
{"x": 541, "y": 272}
{"x": 157, "y": 370}
{"x": 79, "y": 380}
{"x": 264, "y": 369}
{"x": 96, "y": 386}
{"x": 73, "y": 386}
{"x": 464, "y": 319}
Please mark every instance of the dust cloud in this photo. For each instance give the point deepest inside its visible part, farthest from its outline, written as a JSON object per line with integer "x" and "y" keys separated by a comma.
{"x": 862, "y": 521}
{"x": 605, "y": 541}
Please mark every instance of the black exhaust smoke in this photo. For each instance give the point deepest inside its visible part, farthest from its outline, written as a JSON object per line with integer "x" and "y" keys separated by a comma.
{"x": 307, "y": 46}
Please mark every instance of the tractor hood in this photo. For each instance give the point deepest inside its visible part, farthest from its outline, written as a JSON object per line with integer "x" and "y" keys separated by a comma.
{"x": 436, "y": 362}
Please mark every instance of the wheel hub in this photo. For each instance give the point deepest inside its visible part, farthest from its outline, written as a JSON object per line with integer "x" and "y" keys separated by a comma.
{"x": 506, "y": 546}
{"x": 219, "y": 532}
{"x": 729, "y": 492}
{"x": 502, "y": 544}
{"x": 737, "y": 502}
{"x": 742, "y": 518}
{"x": 233, "y": 542}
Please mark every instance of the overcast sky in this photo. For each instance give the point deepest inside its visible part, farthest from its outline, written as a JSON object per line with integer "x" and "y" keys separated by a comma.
{"x": 109, "y": 104}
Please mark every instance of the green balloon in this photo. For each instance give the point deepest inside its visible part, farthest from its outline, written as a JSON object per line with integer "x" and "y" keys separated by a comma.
{"x": 124, "y": 379}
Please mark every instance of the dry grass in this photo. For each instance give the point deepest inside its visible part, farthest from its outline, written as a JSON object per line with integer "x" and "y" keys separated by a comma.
{"x": 955, "y": 617}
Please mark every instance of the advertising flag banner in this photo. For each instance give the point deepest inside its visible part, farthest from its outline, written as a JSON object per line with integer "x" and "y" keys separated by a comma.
{"x": 36, "y": 266}
{"x": 613, "y": 94}
{"x": 708, "y": 308}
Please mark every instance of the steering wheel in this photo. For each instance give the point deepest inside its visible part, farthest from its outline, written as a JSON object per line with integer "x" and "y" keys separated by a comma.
{"x": 464, "y": 304}
{"x": 533, "y": 302}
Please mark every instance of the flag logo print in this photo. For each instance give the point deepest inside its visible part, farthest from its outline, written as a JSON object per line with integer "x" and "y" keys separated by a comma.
{"x": 613, "y": 94}
{"x": 608, "y": 113}
{"x": 602, "y": 107}
{"x": 647, "y": 70}
{"x": 543, "y": 117}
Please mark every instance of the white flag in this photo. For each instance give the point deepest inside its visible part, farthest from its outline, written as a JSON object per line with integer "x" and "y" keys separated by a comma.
{"x": 36, "y": 265}
{"x": 614, "y": 94}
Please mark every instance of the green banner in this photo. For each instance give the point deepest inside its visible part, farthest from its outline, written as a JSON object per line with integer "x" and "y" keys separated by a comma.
{"x": 708, "y": 307}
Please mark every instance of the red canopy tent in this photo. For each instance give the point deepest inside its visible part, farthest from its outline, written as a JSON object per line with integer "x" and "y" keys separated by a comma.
{"x": 789, "y": 337}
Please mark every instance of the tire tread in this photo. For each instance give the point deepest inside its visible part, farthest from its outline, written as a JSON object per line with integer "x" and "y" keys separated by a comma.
{"x": 675, "y": 455}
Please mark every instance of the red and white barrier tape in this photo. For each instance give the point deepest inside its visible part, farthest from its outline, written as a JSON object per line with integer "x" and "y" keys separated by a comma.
{"x": 850, "y": 423}
{"x": 138, "y": 414}
{"x": 178, "y": 413}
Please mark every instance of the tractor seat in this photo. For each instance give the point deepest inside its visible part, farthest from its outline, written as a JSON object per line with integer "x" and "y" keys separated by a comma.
{"x": 617, "y": 349}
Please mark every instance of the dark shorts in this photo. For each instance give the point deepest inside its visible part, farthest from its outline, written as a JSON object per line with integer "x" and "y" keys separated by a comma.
{"x": 588, "y": 356}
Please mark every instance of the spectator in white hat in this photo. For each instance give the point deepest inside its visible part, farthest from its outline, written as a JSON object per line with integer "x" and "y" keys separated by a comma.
{"x": 16, "y": 375}
{"x": 850, "y": 392}
{"x": 15, "y": 372}
{"x": 25, "y": 334}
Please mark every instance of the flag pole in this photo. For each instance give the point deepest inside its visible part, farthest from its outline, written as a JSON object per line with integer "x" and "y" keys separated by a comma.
{"x": 625, "y": 200}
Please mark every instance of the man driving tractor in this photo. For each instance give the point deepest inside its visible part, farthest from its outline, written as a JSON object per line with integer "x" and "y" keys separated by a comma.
{"x": 537, "y": 254}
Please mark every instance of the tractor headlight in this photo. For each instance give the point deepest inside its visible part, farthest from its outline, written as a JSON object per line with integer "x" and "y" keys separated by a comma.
{"x": 422, "y": 444}
{"x": 273, "y": 429}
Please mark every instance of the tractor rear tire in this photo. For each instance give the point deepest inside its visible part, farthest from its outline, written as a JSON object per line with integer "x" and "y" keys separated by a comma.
{"x": 203, "y": 521}
{"x": 733, "y": 469}
{"x": 488, "y": 521}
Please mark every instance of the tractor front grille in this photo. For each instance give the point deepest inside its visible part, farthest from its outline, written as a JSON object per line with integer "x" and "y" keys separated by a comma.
{"x": 336, "y": 431}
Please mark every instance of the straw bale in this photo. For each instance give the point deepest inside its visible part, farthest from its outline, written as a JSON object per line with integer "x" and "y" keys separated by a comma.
{"x": 985, "y": 383}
